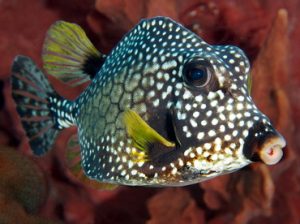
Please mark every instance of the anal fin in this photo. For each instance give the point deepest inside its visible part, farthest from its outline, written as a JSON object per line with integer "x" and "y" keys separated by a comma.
{"x": 74, "y": 165}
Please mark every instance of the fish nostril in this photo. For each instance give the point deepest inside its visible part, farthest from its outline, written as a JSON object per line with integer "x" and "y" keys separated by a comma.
{"x": 224, "y": 90}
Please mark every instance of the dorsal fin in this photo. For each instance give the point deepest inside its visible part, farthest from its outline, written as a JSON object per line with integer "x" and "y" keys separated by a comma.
{"x": 69, "y": 55}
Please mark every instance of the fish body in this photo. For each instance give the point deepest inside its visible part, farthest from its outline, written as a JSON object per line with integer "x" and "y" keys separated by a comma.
{"x": 163, "y": 108}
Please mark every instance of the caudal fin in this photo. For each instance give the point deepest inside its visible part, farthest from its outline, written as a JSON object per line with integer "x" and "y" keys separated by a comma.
{"x": 31, "y": 91}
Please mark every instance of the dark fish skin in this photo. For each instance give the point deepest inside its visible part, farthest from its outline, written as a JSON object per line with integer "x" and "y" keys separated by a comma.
{"x": 193, "y": 94}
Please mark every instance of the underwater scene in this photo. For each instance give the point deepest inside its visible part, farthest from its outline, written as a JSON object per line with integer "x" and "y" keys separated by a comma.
{"x": 136, "y": 111}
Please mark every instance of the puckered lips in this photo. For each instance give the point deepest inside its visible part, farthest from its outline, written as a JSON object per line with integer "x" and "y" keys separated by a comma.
{"x": 264, "y": 146}
{"x": 271, "y": 150}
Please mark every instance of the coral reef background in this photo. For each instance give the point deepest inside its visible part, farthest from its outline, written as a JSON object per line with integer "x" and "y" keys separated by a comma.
{"x": 41, "y": 190}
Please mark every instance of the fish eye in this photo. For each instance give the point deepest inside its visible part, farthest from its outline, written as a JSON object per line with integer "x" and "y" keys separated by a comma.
{"x": 197, "y": 74}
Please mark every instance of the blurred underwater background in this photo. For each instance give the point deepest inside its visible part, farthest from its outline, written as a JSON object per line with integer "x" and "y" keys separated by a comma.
{"x": 41, "y": 189}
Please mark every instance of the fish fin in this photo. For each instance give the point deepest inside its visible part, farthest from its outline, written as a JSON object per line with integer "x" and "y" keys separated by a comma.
{"x": 142, "y": 134}
{"x": 74, "y": 165}
{"x": 69, "y": 55}
{"x": 31, "y": 91}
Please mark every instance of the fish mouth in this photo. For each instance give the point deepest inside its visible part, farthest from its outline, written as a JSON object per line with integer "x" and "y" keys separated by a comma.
{"x": 266, "y": 147}
{"x": 271, "y": 150}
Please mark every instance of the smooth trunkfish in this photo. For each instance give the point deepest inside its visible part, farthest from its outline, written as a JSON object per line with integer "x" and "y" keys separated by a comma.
{"x": 164, "y": 108}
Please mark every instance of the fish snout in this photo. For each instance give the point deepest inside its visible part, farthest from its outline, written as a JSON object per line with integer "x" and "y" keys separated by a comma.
{"x": 264, "y": 144}
{"x": 271, "y": 151}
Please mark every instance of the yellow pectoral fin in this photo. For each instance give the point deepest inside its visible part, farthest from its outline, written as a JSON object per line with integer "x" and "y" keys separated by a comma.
{"x": 141, "y": 133}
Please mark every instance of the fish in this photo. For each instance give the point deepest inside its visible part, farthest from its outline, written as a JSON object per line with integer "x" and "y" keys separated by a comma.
{"x": 163, "y": 108}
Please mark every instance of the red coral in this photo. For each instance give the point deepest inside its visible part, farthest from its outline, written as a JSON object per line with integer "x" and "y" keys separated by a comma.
{"x": 174, "y": 205}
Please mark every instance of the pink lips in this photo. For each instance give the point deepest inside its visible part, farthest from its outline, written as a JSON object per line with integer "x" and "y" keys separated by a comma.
{"x": 271, "y": 151}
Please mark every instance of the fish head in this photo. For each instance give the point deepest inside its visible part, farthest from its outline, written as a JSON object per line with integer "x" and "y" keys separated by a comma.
{"x": 216, "y": 123}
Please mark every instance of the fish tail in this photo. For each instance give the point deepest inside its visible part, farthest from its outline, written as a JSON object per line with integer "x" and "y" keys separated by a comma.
{"x": 43, "y": 112}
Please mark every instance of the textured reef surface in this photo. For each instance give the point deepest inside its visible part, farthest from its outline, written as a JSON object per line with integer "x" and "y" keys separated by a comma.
{"x": 41, "y": 190}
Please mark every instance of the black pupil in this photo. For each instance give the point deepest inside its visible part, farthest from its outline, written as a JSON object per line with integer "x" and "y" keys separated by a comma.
{"x": 197, "y": 76}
